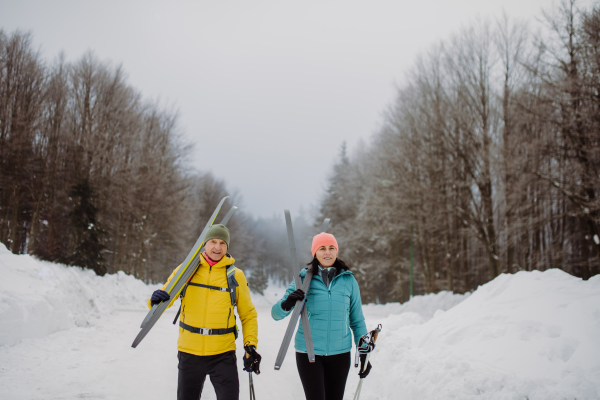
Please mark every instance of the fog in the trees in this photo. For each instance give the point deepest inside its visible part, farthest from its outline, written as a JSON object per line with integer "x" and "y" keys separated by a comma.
{"x": 486, "y": 162}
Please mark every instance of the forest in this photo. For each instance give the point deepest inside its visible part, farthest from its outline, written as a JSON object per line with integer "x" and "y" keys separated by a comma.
{"x": 486, "y": 162}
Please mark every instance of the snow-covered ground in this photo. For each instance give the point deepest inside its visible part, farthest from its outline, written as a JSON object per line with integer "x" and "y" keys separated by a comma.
{"x": 66, "y": 334}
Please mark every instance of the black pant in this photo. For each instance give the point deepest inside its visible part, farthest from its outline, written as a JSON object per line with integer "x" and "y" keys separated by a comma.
{"x": 325, "y": 379}
{"x": 221, "y": 368}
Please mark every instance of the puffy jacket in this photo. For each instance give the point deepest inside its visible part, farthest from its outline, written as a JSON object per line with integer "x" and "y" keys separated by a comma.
{"x": 208, "y": 308}
{"x": 333, "y": 312}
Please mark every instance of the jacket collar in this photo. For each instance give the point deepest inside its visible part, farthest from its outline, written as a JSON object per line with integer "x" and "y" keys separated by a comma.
{"x": 225, "y": 262}
{"x": 344, "y": 272}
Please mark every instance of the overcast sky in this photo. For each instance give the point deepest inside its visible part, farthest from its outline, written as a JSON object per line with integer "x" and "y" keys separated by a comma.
{"x": 267, "y": 90}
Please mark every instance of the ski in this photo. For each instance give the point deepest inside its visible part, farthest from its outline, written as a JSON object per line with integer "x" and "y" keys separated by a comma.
{"x": 227, "y": 216}
{"x": 186, "y": 270}
{"x": 299, "y": 309}
{"x": 325, "y": 225}
{"x": 370, "y": 338}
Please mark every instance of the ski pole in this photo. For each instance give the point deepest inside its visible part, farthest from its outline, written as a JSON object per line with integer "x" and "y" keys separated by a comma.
{"x": 371, "y": 337}
{"x": 252, "y": 395}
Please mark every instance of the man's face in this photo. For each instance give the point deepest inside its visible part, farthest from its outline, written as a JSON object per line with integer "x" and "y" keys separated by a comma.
{"x": 215, "y": 249}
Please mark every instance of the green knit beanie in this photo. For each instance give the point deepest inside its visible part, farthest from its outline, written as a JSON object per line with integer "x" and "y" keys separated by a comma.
{"x": 218, "y": 231}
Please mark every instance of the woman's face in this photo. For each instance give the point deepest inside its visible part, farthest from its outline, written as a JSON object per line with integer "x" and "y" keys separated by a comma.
{"x": 326, "y": 255}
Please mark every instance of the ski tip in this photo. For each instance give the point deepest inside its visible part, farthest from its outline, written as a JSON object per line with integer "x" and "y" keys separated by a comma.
{"x": 325, "y": 224}
{"x": 277, "y": 367}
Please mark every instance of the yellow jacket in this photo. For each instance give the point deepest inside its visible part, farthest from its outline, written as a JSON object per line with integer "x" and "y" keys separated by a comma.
{"x": 208, "y": 308}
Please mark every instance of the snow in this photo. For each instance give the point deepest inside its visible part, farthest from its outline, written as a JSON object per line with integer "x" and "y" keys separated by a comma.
{"x": 38, "y": 298}
{"x": 66, "y": 333}
{"x": 530, "y": 335}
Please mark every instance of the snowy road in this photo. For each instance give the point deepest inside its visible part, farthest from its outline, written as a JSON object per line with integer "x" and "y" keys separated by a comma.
{"x": 99, "y": 363}
{"x": 66, "y": 333}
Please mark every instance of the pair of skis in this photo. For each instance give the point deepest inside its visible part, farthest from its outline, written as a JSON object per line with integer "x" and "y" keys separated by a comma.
{"x": 185, "y": 272}
{"x": 299, "y": 309}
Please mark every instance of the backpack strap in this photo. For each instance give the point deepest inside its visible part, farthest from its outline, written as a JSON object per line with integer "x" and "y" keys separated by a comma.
{"x": 208, "y": 331}
{"x": 232, "y": 283}
{"x": 222, "y": 289}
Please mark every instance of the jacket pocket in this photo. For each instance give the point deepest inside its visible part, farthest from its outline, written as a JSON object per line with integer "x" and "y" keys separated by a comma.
{"x": 347, "y": 322}
{"x": 347, "y": 301}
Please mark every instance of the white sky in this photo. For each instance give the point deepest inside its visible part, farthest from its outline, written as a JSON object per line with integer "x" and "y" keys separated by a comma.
{"x": 267, "y": 89}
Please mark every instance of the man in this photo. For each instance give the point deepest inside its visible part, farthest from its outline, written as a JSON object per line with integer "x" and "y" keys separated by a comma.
{"x": 207, "y": 325}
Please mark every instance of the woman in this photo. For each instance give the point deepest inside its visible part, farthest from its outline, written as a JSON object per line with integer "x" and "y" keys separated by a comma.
{"x": 334, "y": 308}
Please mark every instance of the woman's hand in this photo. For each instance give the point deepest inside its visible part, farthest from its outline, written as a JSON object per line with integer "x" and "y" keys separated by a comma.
{"x": 365, "y": 371}
{"x": 291, "y": 300}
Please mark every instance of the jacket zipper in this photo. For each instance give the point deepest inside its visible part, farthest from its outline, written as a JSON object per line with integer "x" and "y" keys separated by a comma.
{"x": 329, "y": 319}
{"x": 206, "y": 310}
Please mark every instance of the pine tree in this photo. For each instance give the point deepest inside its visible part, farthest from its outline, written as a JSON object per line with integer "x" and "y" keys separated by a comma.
{"x": 258, "y": 280}
{"x": 86, "y": 232}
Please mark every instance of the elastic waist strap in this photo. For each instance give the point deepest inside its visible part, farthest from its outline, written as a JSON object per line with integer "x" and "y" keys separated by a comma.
{"x": 208, "y": 331}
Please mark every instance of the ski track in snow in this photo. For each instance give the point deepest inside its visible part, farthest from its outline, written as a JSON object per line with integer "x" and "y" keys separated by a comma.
{"x": 66, "y": 334}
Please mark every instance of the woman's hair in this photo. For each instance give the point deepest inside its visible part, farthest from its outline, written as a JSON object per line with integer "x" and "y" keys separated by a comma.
{"x": 338, "y": 264}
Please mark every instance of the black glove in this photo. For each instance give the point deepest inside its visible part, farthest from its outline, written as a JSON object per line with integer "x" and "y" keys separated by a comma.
{"x": 366, "y": 371}
{"x": 159, "y": 296}
{"x": 291, "y": 300}
{"x": 251, "y": 360}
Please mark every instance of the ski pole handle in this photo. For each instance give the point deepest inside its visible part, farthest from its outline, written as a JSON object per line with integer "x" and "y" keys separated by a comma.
{"x": 363, "y": 339}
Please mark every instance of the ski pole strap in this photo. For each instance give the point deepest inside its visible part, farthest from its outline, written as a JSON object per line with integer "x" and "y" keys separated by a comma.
{"x": 209, "y": 331}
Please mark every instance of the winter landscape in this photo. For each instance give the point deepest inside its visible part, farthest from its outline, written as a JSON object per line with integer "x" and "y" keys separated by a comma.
{"x": 438, "y": 160}
{"x": 66, "y": 333}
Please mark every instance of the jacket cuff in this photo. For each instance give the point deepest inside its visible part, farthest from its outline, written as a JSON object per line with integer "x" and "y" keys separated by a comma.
{"x": 277, "y": 312}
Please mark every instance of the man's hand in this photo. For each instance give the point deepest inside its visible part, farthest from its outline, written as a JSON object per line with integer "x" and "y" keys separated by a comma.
{"x": 159, "y": 296}
{"x": 291, "y": 300}
{"x": 251, "y": 360}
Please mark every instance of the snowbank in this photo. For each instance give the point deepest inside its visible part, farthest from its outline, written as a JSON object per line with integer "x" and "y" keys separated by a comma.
{"x": 424, "y": 306}
{"x": 38, "y": 298}
{"x": 531, "y": 335}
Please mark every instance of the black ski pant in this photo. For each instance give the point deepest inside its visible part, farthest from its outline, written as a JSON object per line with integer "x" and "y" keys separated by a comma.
{"x": 221, "y": 368}
{"x": 325, "y": 379}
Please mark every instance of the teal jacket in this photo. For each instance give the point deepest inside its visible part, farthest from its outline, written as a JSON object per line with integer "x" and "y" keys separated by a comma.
{"x": 332, "y": 312}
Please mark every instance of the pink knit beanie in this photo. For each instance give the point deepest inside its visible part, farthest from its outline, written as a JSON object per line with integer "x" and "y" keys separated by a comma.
{"x": 323, "y": 239}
